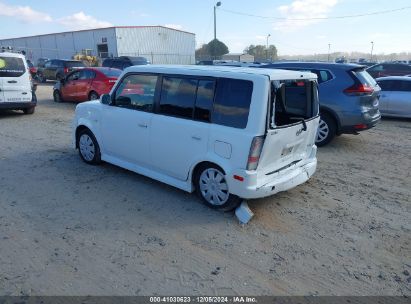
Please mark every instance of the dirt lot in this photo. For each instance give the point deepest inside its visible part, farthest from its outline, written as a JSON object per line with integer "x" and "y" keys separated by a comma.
{"x": 67, "y": 228}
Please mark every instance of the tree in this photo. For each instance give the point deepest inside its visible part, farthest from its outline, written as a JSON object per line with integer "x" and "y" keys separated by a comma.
{"x": 261, "y": 53}
{"x": 203, "y": 53}
{"x": 217, "y": 48}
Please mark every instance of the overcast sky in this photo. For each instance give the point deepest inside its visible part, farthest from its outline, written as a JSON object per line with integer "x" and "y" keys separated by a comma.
{"x": 390, "y": 32}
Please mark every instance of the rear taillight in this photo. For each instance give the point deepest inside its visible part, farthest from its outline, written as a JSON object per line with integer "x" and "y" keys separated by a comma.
{"x": 255, "y": 152}
{"x": 359, "y": 89}
{"x": 66, "y": 70}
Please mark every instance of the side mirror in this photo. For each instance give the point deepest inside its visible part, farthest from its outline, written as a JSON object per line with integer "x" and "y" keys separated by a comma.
{"x": 105, "y": 99}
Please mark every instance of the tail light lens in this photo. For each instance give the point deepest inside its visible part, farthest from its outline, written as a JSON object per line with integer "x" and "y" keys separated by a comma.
{"x": 255, "y": 152}
{"x": 359, "y": 89}
{"x": 66, "y": 70}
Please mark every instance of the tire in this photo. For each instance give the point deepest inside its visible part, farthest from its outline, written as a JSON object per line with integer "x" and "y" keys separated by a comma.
{"x": 59, "y": 77}
{"x": 326, "y": 130}
{"x": 88, "y": 147}
{"x": 41, "y": 78}
{"x": 212, "y": 188}
{"x": 57, "y": 96}
{"x": 29, "y": 110}
{"x": 93, "y": 96}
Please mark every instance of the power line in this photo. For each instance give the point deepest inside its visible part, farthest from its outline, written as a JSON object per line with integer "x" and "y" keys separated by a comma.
{"x": 319, "y": 18}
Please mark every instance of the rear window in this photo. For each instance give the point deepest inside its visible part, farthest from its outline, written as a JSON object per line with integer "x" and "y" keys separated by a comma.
{"x": 111, "y": 72}
{"x": 11, "y": 67}
{"x": 74, "y": 64}
{"x": 364, "y": 77}
{"x": 232, "y": 102}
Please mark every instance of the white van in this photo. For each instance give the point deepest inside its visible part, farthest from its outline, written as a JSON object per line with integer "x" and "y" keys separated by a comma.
{"x": 16, "y": 90}
{"x": 229, "y": 134}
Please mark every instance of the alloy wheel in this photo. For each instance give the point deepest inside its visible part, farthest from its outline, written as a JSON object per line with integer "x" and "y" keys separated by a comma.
{"x": 322, "y": 131}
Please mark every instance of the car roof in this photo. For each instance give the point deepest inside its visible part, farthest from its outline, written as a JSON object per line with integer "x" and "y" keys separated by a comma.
{"x": 318, "y": 65}
{"x": 8, "y": 54}
{"x": 405, "y": 78}
{"x": 220, "y": 71}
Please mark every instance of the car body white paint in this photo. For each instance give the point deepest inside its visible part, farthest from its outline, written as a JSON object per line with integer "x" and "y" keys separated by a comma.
{"x": 15, "y": 89}
{"x": 168, "y": 148}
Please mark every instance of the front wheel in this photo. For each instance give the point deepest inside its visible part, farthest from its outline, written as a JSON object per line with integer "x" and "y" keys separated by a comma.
{"x": 326, "y": 130}
{"x": 88, "y": 147}
{"x": 212, "y": 187}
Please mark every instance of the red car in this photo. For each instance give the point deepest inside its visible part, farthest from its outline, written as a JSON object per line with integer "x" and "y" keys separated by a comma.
{"x": 85, "y": 84}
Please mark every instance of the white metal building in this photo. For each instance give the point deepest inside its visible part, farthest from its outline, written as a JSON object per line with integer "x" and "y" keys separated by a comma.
{"x": 160, "y": 45}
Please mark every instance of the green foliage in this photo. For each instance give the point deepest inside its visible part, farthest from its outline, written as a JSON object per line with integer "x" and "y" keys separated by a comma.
{"x": 212, "y": 50}
{"x": 260, "y": 52}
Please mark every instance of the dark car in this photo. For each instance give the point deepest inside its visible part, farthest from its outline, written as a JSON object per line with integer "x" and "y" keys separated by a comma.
{"x": 42, "y": 61}
{"x": 124, "y": 62}
{"x": 85, "y": 84}
{"x": 57, "y": 69}
{"x": 348, "y": 97}
{"x": 389, "y": 69}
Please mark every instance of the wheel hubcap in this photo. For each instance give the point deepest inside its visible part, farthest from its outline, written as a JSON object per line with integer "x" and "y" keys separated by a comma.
{"x": 87, "y": 148}
{"x": 213, "y": 187}
{"x": 93, "y": 97}
{"x": 322, "y": 131}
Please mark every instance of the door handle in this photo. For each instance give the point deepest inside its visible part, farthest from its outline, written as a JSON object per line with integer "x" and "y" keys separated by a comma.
{"x": 142, "y": 126}
{"x": 196, "y": 137}
{"x": 12, "y": 81}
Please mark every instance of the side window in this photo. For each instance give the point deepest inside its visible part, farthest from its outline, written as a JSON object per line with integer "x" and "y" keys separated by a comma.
{"x": 178, "y": 96}
{"x": 47, "y": 64}
{"x": 389, "y": 85}
{"x": 232, "y": 102}
{"x": 405, "y": 86}
{"x": 117, "y": 64}
{"x": 324, "y": 76}
{"x": 204, "y": 100}
{"x": 73, "y": 76}
{"x": 87, "y": 74}
{"x": 136, "y": 92}
{"x": 377, "y": 68}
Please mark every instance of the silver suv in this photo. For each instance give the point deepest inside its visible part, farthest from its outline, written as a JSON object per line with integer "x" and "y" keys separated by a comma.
{"x": 349, "y": 97}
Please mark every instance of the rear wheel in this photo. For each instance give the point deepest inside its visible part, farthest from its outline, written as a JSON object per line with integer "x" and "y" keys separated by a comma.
{"x": 93, "y": 96}
{"x": 326, "y": 130}
{"x": 28, "y": 110}
{"x": 212, "y": 187}
{"x": 88, "y": 147}
{"x": 57, "y": 96}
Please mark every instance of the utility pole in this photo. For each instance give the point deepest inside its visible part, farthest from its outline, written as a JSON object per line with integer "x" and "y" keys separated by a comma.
{"x": 266, "y": 49}
{"x": 329, "y": 48}
{"x": 215, "y": 19}
{"x": 372, "y": 49}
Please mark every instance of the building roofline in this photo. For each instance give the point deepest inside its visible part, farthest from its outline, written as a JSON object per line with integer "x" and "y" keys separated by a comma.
{"x": 100, "y": 28}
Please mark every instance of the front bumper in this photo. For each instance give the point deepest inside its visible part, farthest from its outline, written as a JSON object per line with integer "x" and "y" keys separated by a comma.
{"x": 251, "y": 189}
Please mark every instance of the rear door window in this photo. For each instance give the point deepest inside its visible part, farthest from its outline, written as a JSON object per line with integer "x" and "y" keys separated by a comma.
{"x": 232, "y": 102}
{"x": 11, "y": 67}
{"x": 87, "y": 74}
{"x": 204, "y": 100}
{"x": 405, "y": 86}
{"x": 178, "y": 96}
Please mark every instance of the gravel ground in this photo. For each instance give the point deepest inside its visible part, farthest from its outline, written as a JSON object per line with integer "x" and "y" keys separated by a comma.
{"x": 67, "y": 228}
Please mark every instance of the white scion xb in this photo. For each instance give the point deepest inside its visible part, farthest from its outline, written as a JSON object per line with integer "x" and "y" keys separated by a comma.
{"x": 226, "y": 133}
